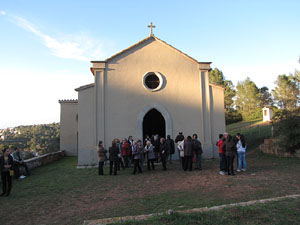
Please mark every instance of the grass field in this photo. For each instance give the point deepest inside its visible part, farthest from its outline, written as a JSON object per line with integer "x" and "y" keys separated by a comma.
{"x": 61, "y": 194}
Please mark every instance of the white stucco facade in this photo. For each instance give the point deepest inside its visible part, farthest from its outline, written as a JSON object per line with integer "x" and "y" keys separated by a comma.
{"x": 115, "y": 105}
{"x": 68, "y": 126}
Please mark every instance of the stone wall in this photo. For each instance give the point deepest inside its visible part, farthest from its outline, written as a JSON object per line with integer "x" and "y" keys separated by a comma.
{"x": 270, "y": 146}
{"x": 44, "y": 159}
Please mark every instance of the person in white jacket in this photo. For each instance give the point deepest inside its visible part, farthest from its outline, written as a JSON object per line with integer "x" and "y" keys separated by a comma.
{"x": 241, "y": 151}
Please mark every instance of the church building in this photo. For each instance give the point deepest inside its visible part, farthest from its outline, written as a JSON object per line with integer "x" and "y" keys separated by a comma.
{"x": 149, "y": 88}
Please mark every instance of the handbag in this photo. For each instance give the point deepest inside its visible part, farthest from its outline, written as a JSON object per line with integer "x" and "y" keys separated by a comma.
{"x": 181, "y": 153}
{"x": 11, "y": 173}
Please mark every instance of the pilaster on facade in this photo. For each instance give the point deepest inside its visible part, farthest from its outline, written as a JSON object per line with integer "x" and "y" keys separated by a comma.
{"x": 202, "y": 128}
{"x": 205, "y": 97}
{"x": 208, "y": 108}
{"x": 98, "y": 71}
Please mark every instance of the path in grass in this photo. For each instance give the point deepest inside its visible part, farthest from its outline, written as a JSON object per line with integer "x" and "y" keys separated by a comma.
{"x": 151, "y": 218}
{"x": 273, "y": 213}
{"x": 61, "y": 194}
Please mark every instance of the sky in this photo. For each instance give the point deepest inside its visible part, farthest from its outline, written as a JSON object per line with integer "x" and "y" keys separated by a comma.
{"x": 46, "y": 46}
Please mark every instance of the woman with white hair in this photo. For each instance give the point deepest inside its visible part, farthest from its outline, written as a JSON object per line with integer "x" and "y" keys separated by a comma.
{"x": 149, "y": 150}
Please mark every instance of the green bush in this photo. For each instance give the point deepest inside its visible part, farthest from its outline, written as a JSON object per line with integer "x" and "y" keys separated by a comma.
{"x": 288, "y": 131}
{"x": 255, "y": 114}
{"x": 232, "y": 116}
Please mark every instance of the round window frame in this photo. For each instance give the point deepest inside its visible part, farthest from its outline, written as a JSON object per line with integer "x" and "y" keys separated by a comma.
{"x": 161, "y": 81}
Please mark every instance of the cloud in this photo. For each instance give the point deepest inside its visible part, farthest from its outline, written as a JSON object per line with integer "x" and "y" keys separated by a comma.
{"x": 79, "y": 47}
{"x": 2, "y": 12}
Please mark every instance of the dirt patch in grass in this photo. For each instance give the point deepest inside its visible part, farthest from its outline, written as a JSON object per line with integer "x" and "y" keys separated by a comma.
{"x": 61, "y": 194}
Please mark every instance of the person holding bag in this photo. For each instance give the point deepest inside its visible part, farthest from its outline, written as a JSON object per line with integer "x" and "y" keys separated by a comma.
{"x": 180, "y": 147}
{"x": 101, "y": 157}
{"x": 6, "y": 163}
{"x": 150, "y": 155}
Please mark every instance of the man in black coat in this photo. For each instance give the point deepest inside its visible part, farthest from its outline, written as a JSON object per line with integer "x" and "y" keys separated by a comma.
{"x": 6, "y": 163}
{"x": 197, "y": 147}
{"x": 171, "y": 147}
{"x": 179, "y": 137}
{"x": 156, "y": 144}
{"x": 163, "y": 151}
{"x": 188, "y": 154}
{"x": 113, "y": 158}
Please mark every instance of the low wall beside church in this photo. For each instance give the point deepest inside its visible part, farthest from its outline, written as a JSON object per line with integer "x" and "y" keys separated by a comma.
{"x": 44, "y": 159}
{"x": 270, "y": 146}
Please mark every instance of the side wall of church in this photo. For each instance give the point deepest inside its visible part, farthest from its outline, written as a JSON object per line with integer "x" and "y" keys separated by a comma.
{"x": 68, "y": 127}
{"x": 126, "y": 97}
{"x": 87, "y": 153}
{"x": 218, "y": 115}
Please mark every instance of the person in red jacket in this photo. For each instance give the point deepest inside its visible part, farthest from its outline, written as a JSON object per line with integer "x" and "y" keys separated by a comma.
{"x": 221, "y": 155}
{"x": 126, "y": 152}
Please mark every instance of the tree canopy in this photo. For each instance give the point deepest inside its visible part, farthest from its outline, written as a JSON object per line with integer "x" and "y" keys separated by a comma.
{"x": 286, "y": 93}
{"x": 248, "y": 99}
{"x": 216, "y": 77}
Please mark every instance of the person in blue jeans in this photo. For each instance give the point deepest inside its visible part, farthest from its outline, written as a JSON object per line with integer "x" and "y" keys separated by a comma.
{"x": 241, "y": 150}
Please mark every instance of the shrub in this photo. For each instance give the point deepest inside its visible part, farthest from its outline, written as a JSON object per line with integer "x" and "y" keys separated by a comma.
{"x": 288, "y": 131}
{"x": 253, "y": 115}
{"x": 232, "y": 116}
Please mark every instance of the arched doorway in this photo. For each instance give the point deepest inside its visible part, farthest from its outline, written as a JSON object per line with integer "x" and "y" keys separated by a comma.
{"x": 154, "y": 123}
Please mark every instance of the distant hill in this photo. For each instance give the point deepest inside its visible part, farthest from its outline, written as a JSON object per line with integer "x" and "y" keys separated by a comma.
{"x": 39, "y": 139}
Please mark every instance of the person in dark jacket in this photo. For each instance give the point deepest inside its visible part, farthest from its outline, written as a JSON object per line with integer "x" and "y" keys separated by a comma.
{"x": 6, "y": 165}
{"x": 137, "y": 148}
{"x": 163, "y": 152}
{"x": 113, "y": 158}
{"x": 120, "y": 162}
{"x": 101, "y": 157}
{"x": 156, "y": 144}
{"x": 197, "y": 147}
{"x": 179, "y": 137}
{"x": 18, "y": 162}
{"x": 171, "y": 147}
{"x": 188, "y": 154}
{"x": 230, "y": 151}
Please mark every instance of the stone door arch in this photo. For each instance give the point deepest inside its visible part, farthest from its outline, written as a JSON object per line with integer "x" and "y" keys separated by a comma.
{"x": 162, "y": 110}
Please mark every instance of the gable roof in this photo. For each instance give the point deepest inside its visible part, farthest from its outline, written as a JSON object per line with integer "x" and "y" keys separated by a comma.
{"x": 85, "y": 87}
{"x": 159, "y": 40}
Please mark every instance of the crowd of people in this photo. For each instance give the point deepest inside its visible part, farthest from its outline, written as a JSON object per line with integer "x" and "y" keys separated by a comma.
{"x": 137, "y": 154}
{"x": 130, "y": 153}
{"x": 10, "y": 166}
{"x": 228, "y": 149}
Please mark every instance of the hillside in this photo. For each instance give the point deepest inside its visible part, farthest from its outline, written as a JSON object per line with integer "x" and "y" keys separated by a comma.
{"x": 254, "y": 131}
{"x": 37, "y": 139}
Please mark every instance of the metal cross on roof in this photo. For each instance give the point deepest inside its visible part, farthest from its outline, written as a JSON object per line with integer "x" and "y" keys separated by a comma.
{"x": 151, "y": 26}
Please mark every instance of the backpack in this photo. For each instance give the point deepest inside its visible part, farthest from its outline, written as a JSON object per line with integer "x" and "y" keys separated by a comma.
{"x": 198, "y": 146}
